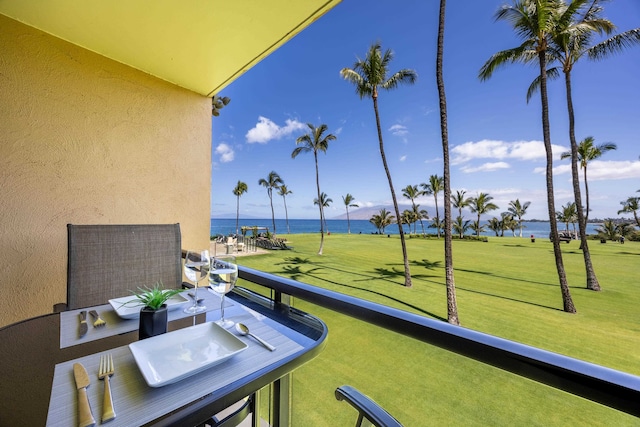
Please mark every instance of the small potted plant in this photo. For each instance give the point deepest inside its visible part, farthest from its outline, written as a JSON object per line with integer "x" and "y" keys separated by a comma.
{"x": 154, "y": 313}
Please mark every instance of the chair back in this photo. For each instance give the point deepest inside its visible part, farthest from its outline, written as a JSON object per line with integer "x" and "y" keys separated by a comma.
{"x": 111, "y": 261}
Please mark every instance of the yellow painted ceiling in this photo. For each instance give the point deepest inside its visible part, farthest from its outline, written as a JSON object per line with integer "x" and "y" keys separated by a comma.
{"x": 201, "y": 45}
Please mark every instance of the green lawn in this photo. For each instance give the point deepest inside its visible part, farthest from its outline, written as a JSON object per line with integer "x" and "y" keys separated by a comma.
{"x": 506, "y": 287}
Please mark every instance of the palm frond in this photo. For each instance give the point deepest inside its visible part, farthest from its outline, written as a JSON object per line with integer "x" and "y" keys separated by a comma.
{"x": 523, "y": 53}
{"x": 405, "y": 76}
{"x": 552, "y": 74}
{"x": 361, "y": 85}
{"x": 615, "y": 44}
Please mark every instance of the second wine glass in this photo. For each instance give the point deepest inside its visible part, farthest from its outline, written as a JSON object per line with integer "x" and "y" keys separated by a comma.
{"x": 196, "y": 268}
{"x": 223, "y": 274}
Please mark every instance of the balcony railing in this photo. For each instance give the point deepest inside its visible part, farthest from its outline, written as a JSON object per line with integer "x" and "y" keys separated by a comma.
{"x": 609, "y": 387}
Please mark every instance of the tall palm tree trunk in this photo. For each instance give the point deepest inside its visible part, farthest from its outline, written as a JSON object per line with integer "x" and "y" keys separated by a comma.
{"x": 407, "y": 274}
{"x": 286, "y": 214}
{"x": 315, "y": 155}
{"x": 452, "y": 305}
{"x": 273, "y": 214}
{"x": 237, "y": 213}
{"x": 435, "y": 198}
{"x": 586, "y": 194}
{"x": 564, "y": 286}
{"x": 592, "y": 280}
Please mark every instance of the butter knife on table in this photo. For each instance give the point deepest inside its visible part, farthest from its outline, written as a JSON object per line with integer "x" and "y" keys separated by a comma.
{"x": 82, "y": 329}
{"x": 85, "y": 417}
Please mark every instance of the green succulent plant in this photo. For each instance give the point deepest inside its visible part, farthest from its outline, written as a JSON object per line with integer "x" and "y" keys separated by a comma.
{"x": 154, "y": 297}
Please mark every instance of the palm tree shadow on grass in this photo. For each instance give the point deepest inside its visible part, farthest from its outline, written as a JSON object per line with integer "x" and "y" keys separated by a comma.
{"x": 515, "y": 279}
{"x": 386, "y": 274}
{"x": 380, "y": 273}
{"x": 296, "y": 273}
{"x": 628, "y": 253}
{"x": 429, "y": 265}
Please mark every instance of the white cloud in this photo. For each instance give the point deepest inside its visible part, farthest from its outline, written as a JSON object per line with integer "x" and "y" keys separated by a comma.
{"x": 225, "y": 152}
{"x": 266, "y": 130}
{"x": 598, "y": 170}
{"x": 491, "y": 149}
{"x": 399, "y": 130}
{"x": 403, "y": 158}
{"x": 486, "y": 167}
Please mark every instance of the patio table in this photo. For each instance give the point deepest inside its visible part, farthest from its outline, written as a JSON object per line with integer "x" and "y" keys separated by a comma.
{"x": 36, "y": 364}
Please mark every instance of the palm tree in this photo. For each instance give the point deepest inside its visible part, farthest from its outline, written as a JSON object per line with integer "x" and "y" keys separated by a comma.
{"x": 632, "y": 204}
{"x": 369, "y": 76}
{"x": 477, "y": 228}
{"x": 568, "y": 215}
{"x": 315, "y": 141}
{"x": 382, "y": 219}
{"x": 420, "y": 214}
{"x": 434, "y": 186}
{"x": 624, "y": 229}
{"x": 508, "y": 223}
{"x": 481, "y": 205}
{"x": 272, "y": 182}
{"x": 534, "y": 21}
{"x": 587, "y": 151}
{"x": 577, "y": 24}
{"x": 324, "y": 202}
{"x": 238, "y": 191}
{"x": 452, "y": 304}
{"x": 608, "y": 230}
{"x": 409, "y": 217}
{"x": 518, "y": 210}
{"x": 284, "y": 191}
{"x": 348, "y": 203}
{"x": 495, "y": 225}
{"x": 437, "y": 224}
{"x": 459, "y": 201}
{"x": 411, "y": 192}
{"x": 461, "y": 226}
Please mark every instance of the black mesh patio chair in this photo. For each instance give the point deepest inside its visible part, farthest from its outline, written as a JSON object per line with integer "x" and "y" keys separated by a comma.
{"x": 110, "y": 261}
{"x": 367, "y": 409}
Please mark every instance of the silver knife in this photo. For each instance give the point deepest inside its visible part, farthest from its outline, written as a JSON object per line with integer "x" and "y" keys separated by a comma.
{"x": 83, "y": 324}
{"x": 85, "y": 417}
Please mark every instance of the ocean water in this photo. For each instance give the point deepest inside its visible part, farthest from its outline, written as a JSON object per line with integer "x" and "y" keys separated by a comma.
{"x": 298, "y": 226}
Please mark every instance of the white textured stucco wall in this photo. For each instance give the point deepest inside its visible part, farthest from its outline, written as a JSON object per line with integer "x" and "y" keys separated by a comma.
{"x": 84, "y": 139}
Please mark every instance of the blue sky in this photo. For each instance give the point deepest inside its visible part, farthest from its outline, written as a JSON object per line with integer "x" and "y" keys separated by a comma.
{"x": 495, "y": 137}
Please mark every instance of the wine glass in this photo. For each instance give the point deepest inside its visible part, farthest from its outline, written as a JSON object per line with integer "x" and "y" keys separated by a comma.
{"x": 222, "y": 278}
{"x": 196, "y": 268}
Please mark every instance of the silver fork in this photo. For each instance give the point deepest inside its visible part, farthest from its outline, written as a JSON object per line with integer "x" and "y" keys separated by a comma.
{"x": 106, "y": 371}
{"x": 98, "y": 322}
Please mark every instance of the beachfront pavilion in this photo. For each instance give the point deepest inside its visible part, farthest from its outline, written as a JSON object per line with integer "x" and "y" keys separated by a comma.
{"x": 106, "y": 119}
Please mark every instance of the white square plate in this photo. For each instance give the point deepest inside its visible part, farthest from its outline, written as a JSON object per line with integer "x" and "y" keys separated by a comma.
{"x": 171, "y": 357}
{"x": 127, "y": 308}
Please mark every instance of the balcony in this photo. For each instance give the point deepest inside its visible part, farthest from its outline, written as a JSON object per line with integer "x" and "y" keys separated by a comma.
{"x": 575, "y": 391}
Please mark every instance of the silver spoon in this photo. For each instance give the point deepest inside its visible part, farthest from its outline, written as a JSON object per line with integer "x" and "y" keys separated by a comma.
{"x": 244, "y": 330}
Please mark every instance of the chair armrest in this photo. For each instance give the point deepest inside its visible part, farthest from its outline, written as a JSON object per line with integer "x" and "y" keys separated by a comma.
{"x": 60, "y": 307}
{"x": 366, "y": 407}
